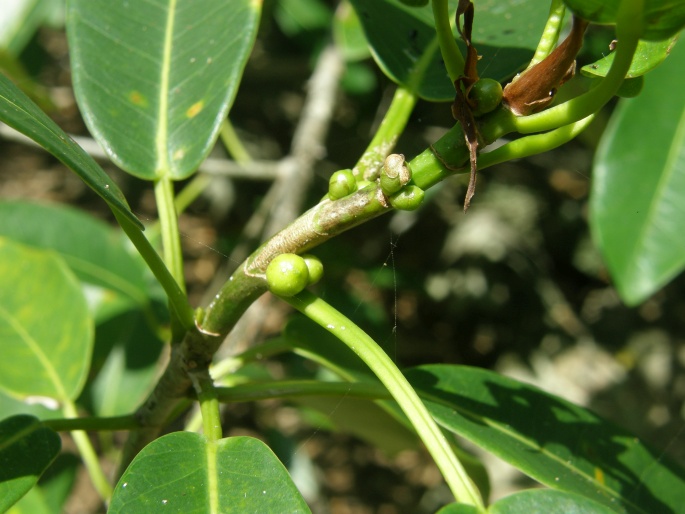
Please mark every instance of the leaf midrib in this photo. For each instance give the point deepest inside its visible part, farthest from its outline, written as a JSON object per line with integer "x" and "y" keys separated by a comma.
{"x": 162, "y": 134}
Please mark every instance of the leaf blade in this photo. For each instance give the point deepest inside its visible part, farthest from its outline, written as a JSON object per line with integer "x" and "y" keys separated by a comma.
{"x": 30, "y": 448}
{"x": 172, "y": 473}
{"x": 638, "y": 189}
{"x": 20, "y": 113}
{"x": 45, "y": 324}
{"x": 174, "y": 68}
{"x": 403, "y": 43}
{"x": 557, "y": 443}
{"x": 662, "y": 18}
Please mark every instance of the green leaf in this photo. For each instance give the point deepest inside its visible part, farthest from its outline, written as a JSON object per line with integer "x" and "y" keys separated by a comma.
{"x": 155, "y": 80}
{"x": 184, "y": 473}
{"x": 20, "y": 113}
{"x": 662, "y": 18}
{"x": 403, "y": 42}
{"x": 46, "y": 329}
{"x": 26, "y": 449}
{"x": 638, "y": 187}
{"x": 548, "y": 501}
{"x": 95, "y": 252}
{"x": 559, "y": 444}
{"x": 649, "y": 55}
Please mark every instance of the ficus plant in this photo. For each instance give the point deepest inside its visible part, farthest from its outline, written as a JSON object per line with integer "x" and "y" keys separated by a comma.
{"x": 155, "y": 83}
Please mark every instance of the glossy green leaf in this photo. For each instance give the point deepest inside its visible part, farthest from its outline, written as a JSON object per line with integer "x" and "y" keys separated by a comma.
{"x": 662, "y": 18}
{"x": 638, "y": 188}
{"x": 403, "y": 42}
{"x": 26, "y": 449}
{"x": 184, "y": 473}
{"x": 648, "y": 55}
{"x": 95, "y": 252}
{"x": 155, "y": 80}
{"x": 548, "y": 501}
{"x": 46, "y": 329}
{"x": 20, "y": 113}
{"x": 559, "y": 444}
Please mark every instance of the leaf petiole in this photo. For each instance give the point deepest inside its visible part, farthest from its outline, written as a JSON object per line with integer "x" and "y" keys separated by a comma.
{"x": 454, "y": 61}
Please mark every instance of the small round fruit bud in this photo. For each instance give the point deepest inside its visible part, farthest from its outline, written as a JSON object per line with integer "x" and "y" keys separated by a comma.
{"x": 287, "y": 274}
{"x": 485, "y": 96}
{"x": 315, "y": 267}
{"x": 341, "y": 184}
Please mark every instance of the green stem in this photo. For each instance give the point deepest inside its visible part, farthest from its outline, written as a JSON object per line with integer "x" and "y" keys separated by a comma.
{"x": 628, "y": 30}
{"x": 90, "y": 458}
{"x": 533, "y": 145}
{"x": 209, "y": 406}
{"x": 233, "y": 144}
{"x": 451, "y": 55}
{"x": 177, "y": 298}
{"x": 183, "y": 199}
{"x": 444, "y": 158}
{"x": 211, "y": 425}
{"x": 550, "y": 35}
{"x": 168, "y": 219}
{"x": 382, "y": 366}
{"x": 392, "y": 125}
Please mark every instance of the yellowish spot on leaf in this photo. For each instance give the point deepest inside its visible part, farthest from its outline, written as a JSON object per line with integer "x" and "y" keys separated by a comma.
{"x": 195, "y": 109}
{"x": 599, "y": 476}
{"x": 179, "y": 154}
{"x": 137, "y": 99}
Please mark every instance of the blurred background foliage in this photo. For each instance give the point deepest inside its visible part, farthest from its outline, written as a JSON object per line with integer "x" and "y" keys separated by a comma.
{"x": 515, "y": 285}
